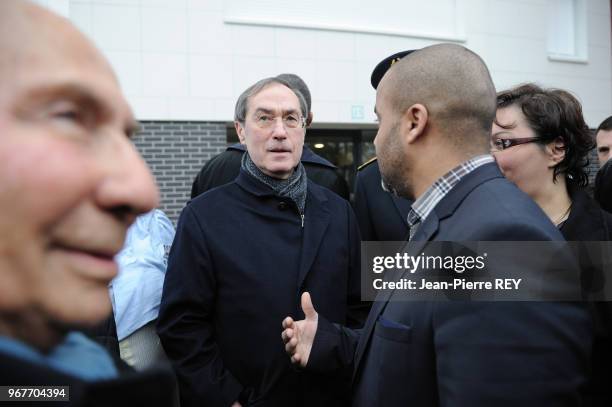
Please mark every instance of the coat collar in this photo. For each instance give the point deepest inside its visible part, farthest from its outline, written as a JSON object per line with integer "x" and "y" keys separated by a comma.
{"x": 258, "y": 188}
{"x": 316, "y": 218}
{"x": 253, "y": 185}
{"x": 449, "y": 204}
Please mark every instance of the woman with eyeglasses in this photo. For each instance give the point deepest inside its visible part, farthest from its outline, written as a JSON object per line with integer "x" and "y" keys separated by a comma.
{"x": 541, "y": 143}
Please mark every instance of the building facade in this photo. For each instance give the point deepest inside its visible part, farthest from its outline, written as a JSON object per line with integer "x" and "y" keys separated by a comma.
{"x": 183, "y": 63}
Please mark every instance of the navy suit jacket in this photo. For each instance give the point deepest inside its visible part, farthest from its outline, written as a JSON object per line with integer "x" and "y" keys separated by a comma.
{"x": 466, "y": 353}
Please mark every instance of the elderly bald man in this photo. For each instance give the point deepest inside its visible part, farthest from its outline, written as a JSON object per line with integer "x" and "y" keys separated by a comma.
{"x": 435, "y": 109}
{"x": 71, "y": 183}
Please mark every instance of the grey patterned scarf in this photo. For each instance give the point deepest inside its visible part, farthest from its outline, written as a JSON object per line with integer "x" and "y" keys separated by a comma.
{"x": 293, "y": 187}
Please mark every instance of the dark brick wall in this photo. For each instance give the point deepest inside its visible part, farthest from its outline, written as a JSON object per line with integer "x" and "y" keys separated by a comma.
{"x": 176, "y": 151}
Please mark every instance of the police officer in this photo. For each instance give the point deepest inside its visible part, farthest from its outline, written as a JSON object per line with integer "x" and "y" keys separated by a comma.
{"x": 381, "y": 215}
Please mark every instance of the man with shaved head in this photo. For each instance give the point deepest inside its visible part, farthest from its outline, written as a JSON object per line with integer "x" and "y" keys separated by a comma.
{"x": 435, "y": 109}
{"x": 71, "y": 183}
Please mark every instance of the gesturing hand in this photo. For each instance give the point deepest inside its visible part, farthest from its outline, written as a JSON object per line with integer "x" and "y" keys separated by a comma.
{"x": 299, "y": 335}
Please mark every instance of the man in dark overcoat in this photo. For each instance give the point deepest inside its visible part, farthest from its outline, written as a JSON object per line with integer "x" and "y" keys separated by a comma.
{"x": 243, "y": 254}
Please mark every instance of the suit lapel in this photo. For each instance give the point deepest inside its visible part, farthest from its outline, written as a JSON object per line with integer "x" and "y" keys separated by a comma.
{"x": 316, "y": 221}
{"x": 425, "y": 232}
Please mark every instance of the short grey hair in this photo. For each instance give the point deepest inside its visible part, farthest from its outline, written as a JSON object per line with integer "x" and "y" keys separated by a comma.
{"x": 298, "y": 84}
{"x": 242, "y": 102}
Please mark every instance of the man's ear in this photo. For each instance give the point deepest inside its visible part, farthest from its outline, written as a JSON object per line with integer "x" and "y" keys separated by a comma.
{"x": 309, "y": 119}
{"x": 414, "y": 122}
{"x": 555, "y": 150}
{"x": 240, "y": 132}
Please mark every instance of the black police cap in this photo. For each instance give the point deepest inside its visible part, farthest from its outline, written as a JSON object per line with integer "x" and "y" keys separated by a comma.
{"x": 384, "y": 65}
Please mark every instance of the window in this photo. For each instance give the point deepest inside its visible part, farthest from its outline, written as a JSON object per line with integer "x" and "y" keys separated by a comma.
{"x": 567, "y": 30}
{"x": 439, "y": 19}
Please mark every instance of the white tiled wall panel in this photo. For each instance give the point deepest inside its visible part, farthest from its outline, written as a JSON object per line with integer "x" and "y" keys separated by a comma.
{"x": 207, "y": 34}
{"x": 164, "y": 29}
{"x": 81, "y": 15}
{"x": 128, "y": 67}
{"x": 165, "y": 74}
{"x": 186, "y": 60}
{"x": 201, "y": 68}
{"x": 116, "y": 27}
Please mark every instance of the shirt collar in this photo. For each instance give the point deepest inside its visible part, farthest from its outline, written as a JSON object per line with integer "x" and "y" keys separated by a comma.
{"x": 77, "y": 355}
{"x": 422, "y": 207}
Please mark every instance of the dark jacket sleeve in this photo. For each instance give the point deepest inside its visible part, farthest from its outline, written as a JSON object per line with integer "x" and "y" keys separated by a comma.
{"x": 185, "y": 324}
{"x": 603, "y": 186}
{"x": 340, "y": 186}
{"x": 333, "y": 350}
{"x": 327, "y": 177}
{"x": 219, "y": 170}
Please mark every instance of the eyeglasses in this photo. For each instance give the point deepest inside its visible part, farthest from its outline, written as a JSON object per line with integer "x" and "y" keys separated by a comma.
{"x": 504, "y": 143}
{"x": 290, "y": 121}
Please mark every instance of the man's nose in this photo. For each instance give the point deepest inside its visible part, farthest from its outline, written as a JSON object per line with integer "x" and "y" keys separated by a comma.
{"x": 279, "y": 128}
{"x": 129, "y": 188}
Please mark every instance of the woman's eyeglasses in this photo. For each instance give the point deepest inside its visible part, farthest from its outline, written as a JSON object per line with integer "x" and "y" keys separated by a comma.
{"x": 504, "y": 143}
